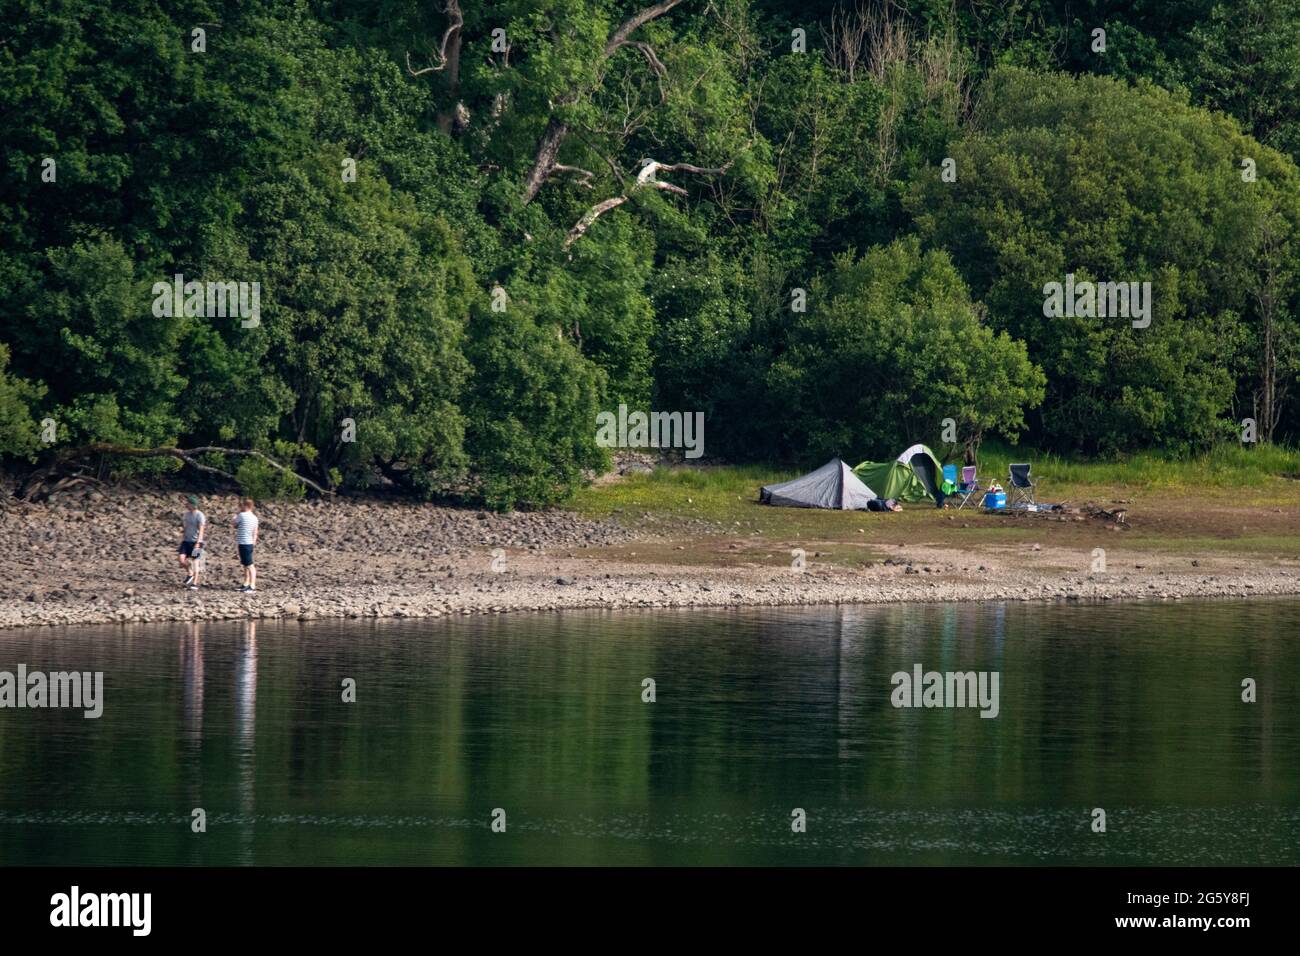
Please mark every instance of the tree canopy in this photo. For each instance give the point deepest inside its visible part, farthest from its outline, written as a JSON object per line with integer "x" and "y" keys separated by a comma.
{"x": 472, "y": 227}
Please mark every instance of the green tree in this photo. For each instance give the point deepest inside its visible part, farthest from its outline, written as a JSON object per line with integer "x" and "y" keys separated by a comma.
{"x": 363, "y": 316}
{"x": 890, "y": 346}
{"x": 531, "y": 410}
{"x": 19, "y": 433}
{"x": 1087, "y": 176}
{"x": 110, "y": 364}
{"x": 1247, "y": 63}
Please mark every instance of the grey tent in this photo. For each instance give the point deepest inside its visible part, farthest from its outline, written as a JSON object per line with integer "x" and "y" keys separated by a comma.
{"x": 833, "y": 485}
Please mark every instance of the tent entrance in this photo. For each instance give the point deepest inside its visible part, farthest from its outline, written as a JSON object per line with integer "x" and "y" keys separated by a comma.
{"x": 923, "y": 468}
{"x": 912, "y": 476}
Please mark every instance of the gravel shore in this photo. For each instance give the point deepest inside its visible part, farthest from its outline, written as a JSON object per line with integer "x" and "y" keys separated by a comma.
{"x": 97, "y": 558}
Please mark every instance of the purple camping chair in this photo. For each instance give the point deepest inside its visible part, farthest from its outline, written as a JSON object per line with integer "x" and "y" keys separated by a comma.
{"x": 968, "y": 487}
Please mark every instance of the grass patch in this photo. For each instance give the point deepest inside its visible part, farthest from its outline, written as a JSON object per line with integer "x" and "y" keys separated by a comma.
{"x": 1224, "y": 468}
{"x": 1244, "y": 475}
{"x": 1231, "y": 500}
{"x": 709, "y": 492}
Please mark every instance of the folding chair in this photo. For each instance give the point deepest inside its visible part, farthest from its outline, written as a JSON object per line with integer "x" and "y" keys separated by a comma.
{"x": 949, "y": 486}
{"x": 1020, "y": 487}
{"x": 968, "y": 487}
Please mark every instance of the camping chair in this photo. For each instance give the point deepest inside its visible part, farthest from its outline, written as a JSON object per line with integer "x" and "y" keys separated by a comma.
{"x": 1020, "y": 487}
{"x": 968, "y": 487}
{"x": 949, "y": 485}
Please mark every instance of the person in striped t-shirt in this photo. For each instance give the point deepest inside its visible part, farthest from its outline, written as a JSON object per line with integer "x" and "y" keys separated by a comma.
{"x": 246, "y": 536}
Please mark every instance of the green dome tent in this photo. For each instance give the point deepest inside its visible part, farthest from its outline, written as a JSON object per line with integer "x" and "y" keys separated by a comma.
{"x": 914, "y": 475}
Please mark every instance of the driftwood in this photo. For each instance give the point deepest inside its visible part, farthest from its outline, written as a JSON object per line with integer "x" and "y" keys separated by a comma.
{"x": 49, "y": 480}
{"x": 43, "y": 484}
{"x": 1118, "y": 515}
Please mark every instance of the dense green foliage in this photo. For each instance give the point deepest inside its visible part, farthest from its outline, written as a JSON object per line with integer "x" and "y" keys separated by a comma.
{"x": 18, "y": 431}
{"x": 1165, "y": 203}
{"x": 841, "y": 248}
{"x": 891, "y": 345}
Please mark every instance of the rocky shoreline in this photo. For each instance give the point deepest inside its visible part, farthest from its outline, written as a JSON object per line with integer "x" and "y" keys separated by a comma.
{"x": 98, "y": 558}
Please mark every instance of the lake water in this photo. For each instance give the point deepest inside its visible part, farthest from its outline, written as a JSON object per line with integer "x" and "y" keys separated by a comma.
{"x": 1133, "y": 709}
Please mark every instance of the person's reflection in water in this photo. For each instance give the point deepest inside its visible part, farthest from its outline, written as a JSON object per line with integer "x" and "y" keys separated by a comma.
{"x": 246, "y": 718}
{"x": 192, "y": 684}
{"x": 191, "y": 737}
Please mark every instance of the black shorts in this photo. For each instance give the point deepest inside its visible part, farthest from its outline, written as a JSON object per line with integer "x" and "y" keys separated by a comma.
{"x": 245, "y": 554}
{"x": 186, "y": 548}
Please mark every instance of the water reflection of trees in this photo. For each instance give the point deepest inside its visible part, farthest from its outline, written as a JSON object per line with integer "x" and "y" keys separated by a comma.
{"x": 771, "y": 709}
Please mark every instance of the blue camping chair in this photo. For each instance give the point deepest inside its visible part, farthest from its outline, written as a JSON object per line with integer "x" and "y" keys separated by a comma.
{"x": 1021, "y": 488}
{"x": 948, "y": 486}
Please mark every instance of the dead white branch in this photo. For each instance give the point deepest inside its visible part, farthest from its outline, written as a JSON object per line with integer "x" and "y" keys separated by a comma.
{"x": 647, "y": 177}
{"x": 584, "y": 175}
{"x": 455, "y": 20}
{"x": 590, "y": 216}
{"x": 650, "y": 56}
{"x": 548, "y": 148}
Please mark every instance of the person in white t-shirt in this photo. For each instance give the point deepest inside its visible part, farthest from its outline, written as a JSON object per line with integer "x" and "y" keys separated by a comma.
{"x": 246, "y": 536}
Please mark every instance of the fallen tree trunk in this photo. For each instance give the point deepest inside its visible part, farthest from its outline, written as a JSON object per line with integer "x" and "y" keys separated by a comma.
{"x": 35, "y": 486}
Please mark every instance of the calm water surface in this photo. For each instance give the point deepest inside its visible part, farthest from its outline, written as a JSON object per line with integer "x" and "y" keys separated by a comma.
{"x": 1135, "y": 709}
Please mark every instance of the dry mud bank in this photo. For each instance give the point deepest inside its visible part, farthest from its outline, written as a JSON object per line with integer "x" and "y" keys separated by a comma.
{"x": 95, "y": 558}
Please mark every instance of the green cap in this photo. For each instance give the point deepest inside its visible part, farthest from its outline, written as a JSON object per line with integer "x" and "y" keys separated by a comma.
{"x": 194, "y": 500}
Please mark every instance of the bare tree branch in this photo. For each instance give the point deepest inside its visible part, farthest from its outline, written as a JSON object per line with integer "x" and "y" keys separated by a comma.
{"x": 547, "y": 151}
{"x": 450, "y": 37}
{"x": 618, "y": 173}
{"x": 645, "y": 178}
{"x": 660, "y": 71}
{"x": 651, "y": 167}
{"x": 585, "y": 176}
{"x": 548, "y": 148}
{"x": 590, "y": 216}
{"x": 651, "y": 57}
{"x": 187, "y": 455}
{"x": 638, "y": 19}
{"x": 666, "y": 187}
{"x": 414, "y": 72}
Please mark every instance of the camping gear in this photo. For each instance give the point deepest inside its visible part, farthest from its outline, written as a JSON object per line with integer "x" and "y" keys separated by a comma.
{"x": 995, "y": 501}
{"x": 833, "y": 485}
{"x": 912, "y": 476}
{"x": 1022, "y": 486}
{"x": 949, "y": 486}
{"x": 1119, "y": 515}
{"x": 968, "y": 487}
